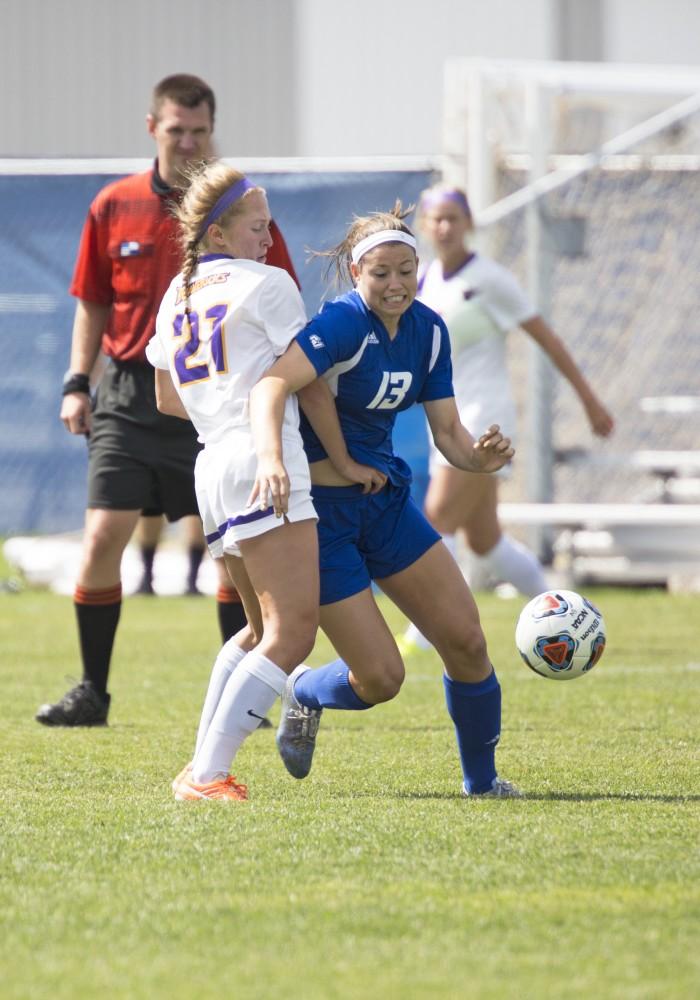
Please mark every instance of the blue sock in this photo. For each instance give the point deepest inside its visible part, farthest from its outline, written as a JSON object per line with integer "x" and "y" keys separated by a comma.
{"x": 475, "y": 710}
{"x": 328, "y": 687}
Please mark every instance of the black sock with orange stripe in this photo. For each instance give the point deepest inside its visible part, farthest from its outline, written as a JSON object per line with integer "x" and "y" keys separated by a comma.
{"x": 230, "y": 611}
{"x": 98, "y": 613}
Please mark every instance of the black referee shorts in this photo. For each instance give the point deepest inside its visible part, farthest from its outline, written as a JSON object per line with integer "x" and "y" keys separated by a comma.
{"x": 139, "y": 459}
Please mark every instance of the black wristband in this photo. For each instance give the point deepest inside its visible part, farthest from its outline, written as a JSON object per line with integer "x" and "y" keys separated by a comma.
{"x": 75, "y": 382}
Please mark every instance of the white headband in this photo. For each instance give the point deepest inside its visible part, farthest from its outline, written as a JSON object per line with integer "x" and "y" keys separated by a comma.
{"x": 385, "y": 236}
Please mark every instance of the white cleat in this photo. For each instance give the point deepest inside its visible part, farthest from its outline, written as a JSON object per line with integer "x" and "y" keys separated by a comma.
{"x": 500, "y": 789}
{"x": 296, "y": 733}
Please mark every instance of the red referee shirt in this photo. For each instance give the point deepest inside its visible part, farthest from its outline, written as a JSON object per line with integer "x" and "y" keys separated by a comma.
{"x": 128, "y": 256}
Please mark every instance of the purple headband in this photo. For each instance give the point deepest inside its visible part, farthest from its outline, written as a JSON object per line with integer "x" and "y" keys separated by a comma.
{"x": 432, "y": 198}
{"x": 227, "y": 199}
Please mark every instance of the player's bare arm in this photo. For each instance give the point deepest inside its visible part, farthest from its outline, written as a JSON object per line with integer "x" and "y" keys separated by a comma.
{"x": 167, "y": 399}
{"x": 489, "y": 454}
{"x": 88, "y": 326}
{"x": 271, "y": 486}
{"x": 289, "y": 374}
{"x": 316, "y": 400}
{"x": 599, "y": 418}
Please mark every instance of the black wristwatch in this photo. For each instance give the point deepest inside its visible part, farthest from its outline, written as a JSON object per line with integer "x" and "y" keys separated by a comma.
{"x": 75, "y": 382}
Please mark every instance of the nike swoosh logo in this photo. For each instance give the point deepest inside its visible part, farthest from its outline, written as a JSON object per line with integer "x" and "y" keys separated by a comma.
{"x": 255, "y": 715}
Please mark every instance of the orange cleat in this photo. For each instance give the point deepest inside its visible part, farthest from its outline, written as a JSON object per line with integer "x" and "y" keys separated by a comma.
{"x": 186, "y": 772}
{"x": 225, "y": 788}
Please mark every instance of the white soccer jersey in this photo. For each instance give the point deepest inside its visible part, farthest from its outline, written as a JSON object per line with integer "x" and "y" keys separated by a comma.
{"x": 243, "y": 316}
{"x": 480, "y": 303}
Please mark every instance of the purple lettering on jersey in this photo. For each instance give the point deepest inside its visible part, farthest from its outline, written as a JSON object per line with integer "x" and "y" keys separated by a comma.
{"x": 186, "y": 372}
{"x": 192, "y": 363}
{"x": 217, "y": 342}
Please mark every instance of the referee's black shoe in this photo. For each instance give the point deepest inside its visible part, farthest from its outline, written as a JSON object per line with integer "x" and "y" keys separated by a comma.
{"x": 81, "y": 706}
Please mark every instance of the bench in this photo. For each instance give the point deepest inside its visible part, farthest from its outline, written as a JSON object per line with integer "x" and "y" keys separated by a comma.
{"x": 671, "y": 469}
{"x": 674, "y": 527}
{"x": 599, "y": 515}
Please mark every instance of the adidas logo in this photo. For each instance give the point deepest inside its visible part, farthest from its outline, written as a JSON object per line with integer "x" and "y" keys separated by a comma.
{"x": 372, "y": 339}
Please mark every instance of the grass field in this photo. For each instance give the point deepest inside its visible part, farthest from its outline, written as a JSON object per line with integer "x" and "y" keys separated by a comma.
{"x": 372, "y": 878}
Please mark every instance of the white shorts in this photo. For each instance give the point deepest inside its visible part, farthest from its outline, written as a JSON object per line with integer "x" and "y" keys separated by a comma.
{"x": 223, "y": 478}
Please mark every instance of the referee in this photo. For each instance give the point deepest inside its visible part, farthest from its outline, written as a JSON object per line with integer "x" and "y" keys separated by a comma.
{"x": 139, "y": 461}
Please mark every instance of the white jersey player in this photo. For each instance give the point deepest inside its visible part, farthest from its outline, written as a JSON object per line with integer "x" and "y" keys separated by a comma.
{"x": 221, "y": 324}
{"x": 241, "y": 316}
{"x": 481, "y": 302}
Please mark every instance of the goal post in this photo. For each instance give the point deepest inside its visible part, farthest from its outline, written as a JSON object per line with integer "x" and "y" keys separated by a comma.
{"x": 556, "y": 157}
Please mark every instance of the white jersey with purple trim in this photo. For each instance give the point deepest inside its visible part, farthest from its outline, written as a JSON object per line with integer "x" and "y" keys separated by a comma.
{"x": 243, "y": 316}
{"x": 479, "y": 303}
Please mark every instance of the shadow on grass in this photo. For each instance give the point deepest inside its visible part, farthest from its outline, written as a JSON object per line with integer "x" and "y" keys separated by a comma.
{"x": 612, "y": 796}
{"x": 343, "y": 793}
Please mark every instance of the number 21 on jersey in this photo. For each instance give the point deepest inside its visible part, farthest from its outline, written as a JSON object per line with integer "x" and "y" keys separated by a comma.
{"x": 392, "y": 391}
{"x": 202, "y": 352}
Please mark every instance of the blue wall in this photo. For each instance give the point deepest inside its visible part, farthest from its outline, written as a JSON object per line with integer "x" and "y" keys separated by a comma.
{"x": 43, "y": 467}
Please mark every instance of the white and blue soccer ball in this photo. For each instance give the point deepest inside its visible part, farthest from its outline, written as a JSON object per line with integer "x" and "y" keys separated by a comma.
{"x": 560, "y": 635}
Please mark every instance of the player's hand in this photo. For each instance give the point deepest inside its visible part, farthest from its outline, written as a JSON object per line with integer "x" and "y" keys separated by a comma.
{"x": 492, "y": 451}
{"x": 600, "y": 420}
{"x": 271, "y": 488}
{"x": 371, "y": 480}
{"x": 76, "y": 413}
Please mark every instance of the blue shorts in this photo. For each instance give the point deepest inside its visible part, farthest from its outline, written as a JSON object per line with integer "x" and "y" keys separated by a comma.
{"x": 364, "y": 537}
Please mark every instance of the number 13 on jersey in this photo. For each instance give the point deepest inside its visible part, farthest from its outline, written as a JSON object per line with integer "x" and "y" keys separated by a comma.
{"x": 202, "y": 352}
{"x": 392, "y": 390}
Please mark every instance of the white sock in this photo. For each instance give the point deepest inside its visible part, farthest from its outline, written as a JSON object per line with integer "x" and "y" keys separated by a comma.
{"x": 230, "y": 655}
{"x": 475, "y": 572}
{"x": 250, "y": 692}
{"x": 510, "y": 562}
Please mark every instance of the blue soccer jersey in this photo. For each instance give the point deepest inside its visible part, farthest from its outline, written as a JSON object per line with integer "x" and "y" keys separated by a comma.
{"x": 374, "y": 377}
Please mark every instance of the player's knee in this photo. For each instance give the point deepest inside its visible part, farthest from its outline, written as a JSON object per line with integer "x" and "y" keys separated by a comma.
{"x": 385, "y": 684}
{"x": 101, "y": 542}
{"x": 473, "y": 643}
{"x": 465, "y": 650}
{"x": 251, "y": 635}
{"x": 299, "y": 638}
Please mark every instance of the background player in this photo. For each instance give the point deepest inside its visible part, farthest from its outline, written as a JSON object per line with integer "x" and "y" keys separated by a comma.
{"x": 381, "y": 351}
{"x": 138, "y": 459}
{"x": 481, "y": 302}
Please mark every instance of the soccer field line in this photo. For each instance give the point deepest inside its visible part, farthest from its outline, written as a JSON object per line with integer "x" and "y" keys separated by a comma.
{"x": 674, "y": 668}
{"x": 609, "y": 672}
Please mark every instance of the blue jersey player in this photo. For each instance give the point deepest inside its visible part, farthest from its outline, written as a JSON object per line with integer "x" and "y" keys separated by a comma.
{"x": 379, "y": 351}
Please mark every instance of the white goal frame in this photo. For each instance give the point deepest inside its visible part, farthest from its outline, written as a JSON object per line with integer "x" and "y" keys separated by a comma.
{"x": 504, "y": 112}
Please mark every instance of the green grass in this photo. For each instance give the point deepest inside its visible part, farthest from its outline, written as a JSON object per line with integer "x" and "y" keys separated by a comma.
{"x": 372, "y": 878}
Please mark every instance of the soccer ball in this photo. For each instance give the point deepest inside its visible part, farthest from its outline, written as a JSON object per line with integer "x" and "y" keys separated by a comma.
{"x": 560, "y": 635}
